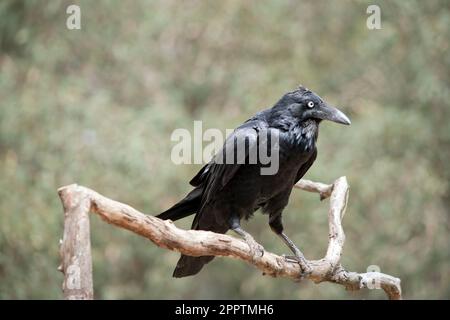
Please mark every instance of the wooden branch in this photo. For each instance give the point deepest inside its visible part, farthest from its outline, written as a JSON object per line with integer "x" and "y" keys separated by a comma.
{"x": 323, "y": 189}
{"x": 75, "y": 247}
{"x": 78, "y": 201}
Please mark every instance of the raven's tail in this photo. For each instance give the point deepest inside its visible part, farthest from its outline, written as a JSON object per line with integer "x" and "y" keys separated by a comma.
{"x": 189, "y": 205}
{"x": 188, "y": 266}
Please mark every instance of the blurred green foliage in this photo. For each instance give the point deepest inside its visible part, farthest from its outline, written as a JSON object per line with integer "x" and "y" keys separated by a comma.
{"x": 97, "y": 106}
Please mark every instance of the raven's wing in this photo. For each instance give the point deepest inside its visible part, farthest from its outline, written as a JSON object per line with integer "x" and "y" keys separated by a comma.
{"x": 222, "y": 167}
{"x": 218, "y": 172}
{"x": 305, "y": 167}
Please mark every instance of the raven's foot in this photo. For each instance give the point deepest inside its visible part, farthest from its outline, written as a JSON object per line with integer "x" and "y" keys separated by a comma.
{"x": 255, "y": 248}
{"x": 305, "y": 266}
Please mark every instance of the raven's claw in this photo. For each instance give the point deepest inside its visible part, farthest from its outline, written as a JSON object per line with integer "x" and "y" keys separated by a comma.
{"x": 255, "y": 247}
{"x": 305, "y": 267}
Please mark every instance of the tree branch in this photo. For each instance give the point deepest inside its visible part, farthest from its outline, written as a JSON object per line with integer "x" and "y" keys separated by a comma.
{"x": 75, "y": 250}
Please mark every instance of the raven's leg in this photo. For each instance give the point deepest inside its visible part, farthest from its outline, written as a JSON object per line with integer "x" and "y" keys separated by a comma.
{"x": 255, "y": 247}
{"x": 277, "y": 226}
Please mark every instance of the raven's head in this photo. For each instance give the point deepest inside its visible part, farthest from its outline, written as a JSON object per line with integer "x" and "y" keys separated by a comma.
{"x": 305, "y": 104}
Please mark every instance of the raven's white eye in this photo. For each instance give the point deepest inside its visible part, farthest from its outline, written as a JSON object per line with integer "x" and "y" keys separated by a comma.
{"x": 310, "y": 104}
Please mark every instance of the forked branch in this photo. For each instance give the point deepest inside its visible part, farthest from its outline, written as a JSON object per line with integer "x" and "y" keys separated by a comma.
{"x": 76, "y": 264}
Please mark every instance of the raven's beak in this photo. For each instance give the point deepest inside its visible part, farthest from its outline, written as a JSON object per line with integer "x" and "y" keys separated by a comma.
{"x": 329, "y": 113}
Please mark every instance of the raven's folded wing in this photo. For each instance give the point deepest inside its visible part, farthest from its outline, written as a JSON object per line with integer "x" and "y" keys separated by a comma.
{"x": 237, "y": 149}
{"x": 304, "y": 168}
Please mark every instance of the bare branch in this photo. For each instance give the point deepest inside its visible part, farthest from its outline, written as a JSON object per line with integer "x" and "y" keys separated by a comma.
{"x": 204, "y": 243}
{"x": 75, "y": 247}
{"x": 321, "y": 188}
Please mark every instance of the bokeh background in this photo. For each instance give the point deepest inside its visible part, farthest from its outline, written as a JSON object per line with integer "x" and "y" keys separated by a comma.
{"x": 97, "y": 107}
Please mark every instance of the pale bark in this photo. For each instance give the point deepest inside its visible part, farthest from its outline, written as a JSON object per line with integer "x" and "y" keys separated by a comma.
{"x": 75, "y": 246}
{"x": 78, "y": 201}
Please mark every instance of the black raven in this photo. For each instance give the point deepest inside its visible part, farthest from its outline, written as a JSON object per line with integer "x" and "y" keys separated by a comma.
{"x": 225, "y": 192}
